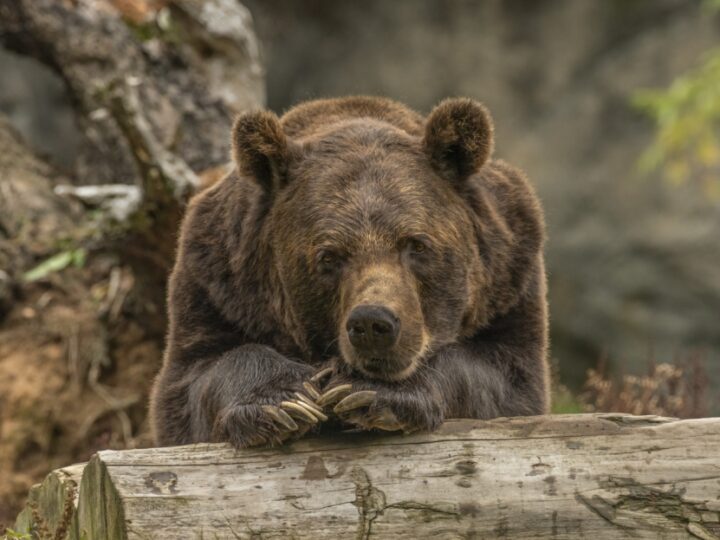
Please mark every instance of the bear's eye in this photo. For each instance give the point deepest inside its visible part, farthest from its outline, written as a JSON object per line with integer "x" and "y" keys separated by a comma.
{"x": 328, "y": 260}
{"x": 416, "y": 246}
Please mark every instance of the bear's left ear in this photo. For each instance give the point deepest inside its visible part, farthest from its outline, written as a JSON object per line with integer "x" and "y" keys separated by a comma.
{"x": 261, "y": 150}
{"x": 458, "y": 138}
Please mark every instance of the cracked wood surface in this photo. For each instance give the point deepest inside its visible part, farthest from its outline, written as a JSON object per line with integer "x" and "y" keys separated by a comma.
{"x": 565, "y": 476}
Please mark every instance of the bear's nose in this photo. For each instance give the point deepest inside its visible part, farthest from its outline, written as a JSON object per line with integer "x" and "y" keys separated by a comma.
{"x": 372, "y": 328}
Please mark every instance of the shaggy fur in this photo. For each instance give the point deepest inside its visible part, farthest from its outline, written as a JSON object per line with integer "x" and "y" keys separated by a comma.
{"x": 458, "y": 138}
{"x": 350, "y": 202}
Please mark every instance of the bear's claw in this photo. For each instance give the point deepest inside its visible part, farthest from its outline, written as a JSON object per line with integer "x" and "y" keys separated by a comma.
{"x": 294, "y": 416}
{"x": 281, "y": 417}
{"x": 303, "y": 412}
{"x": 310, "y": 389}
{"x": 384, "y": 419}
{"x": 359, "y": 408}
{"x": 320, "y": 375}
{"x": 334, "y": 394}
{"x": 363, "y": 398}
{"x": 309, "y": 404}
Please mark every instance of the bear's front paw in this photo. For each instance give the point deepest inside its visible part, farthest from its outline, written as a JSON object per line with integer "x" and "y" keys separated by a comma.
{"x": 244, "y": 425}
{"x": 388, "y": 407}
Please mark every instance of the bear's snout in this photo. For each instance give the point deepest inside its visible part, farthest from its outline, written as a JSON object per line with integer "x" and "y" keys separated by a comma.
{"x": 372, "y": 329}
{"x": 381, "y": 332}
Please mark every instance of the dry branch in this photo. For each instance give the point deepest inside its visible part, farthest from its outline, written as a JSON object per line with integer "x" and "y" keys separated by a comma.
{"x": 602, "y": 476}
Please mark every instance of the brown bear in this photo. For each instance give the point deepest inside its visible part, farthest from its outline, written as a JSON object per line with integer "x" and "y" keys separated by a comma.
{"x": 362, "y": 265}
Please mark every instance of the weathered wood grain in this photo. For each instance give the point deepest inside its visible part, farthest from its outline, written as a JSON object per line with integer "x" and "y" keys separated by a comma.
{"x": 51, "y": 506}
{"x": 567, "y": 476}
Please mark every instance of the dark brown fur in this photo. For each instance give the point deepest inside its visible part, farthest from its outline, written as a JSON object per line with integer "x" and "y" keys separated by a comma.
{"x": 256, "y": 308}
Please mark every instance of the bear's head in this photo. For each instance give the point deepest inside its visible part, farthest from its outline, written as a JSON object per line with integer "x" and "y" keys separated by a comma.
{"x": 389, "y": 242}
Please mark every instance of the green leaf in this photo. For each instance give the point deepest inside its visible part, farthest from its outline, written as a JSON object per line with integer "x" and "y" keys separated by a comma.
{"x": 687, "y": 119}
{"x": 79, "y": 257}
{"x": 56, "y": 263}
{"x": 10, "y": 534}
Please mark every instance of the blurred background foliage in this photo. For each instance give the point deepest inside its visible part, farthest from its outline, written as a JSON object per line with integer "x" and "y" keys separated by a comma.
{"x": 687, "y": 118}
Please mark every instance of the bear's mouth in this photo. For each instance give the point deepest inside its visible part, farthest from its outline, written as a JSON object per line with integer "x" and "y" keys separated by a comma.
{"x": 385, "y": 368}
{"x": 378, "y": 367}
{"x": 376, "y": 364}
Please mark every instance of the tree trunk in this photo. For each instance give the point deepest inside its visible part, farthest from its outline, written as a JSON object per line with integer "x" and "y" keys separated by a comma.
{"x": 567, "y": 476}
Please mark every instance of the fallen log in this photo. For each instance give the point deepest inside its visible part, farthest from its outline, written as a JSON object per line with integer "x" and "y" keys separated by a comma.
{"x": 564, "y": 476}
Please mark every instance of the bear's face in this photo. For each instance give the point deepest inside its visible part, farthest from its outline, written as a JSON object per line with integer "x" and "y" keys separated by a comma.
{"x": 374, "y": 242}
{"x": 372, "y": 249}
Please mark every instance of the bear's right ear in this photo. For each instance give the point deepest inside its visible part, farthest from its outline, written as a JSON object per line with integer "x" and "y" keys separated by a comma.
{"x": 458, "y": 138}
{"x": 261, "y": 149}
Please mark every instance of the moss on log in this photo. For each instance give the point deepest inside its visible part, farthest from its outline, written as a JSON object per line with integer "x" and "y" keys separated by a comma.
{"x": 50, "y": 511}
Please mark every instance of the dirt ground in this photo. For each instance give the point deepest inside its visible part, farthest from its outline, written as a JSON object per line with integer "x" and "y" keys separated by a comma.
{"x": 74, "y": 375}
{"x": 79, "y": 344}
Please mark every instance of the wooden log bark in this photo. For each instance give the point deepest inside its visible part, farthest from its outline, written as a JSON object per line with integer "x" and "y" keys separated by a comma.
{"x": 563, "y": 476}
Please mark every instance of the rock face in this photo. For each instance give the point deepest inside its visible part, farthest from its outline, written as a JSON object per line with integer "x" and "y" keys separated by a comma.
{"x": 193, "y": 63}
{"x": 633, "y": 263}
